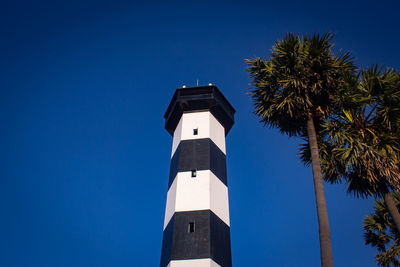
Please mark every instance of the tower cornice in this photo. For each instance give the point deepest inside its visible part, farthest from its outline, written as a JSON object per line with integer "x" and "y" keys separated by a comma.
{"x": 199, "y": 98}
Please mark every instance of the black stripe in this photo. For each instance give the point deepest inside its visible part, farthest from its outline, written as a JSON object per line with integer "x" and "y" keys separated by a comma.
{"x": 211, "y": 238}
{"x": 198, "y": 154}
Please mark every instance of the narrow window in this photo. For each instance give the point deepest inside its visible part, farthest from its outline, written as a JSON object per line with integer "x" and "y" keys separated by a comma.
{"x": 194, "y": 173}
{"x": 195, "y": 131}
{"x": 191, "y": 227}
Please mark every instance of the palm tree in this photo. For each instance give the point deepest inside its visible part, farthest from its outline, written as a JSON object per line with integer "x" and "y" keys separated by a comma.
{"x": 293, "y": 91}
{"x": 362, "y": 139}
{"x": 381, "y": 232}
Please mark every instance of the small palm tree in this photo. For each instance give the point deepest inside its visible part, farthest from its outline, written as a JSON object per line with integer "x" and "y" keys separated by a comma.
{"x": 381, "y": 232}
{"x": 362, "y": 139}
{"x": 294, "y": 89}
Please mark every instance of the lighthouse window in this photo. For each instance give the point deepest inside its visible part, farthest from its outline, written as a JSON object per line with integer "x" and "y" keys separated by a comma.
{"x": 195, "y": 131}
{"x": 191, "y": 227}
{"x": 194, "y": 173}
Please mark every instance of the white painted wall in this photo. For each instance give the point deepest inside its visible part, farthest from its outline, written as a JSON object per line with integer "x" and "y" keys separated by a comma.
{"x": 193, "y": 263}
{"x": 207, "y": 125}
{"x": 170, "y": 206}
{"x": 193, "y": 193}
{"x": 177, "y": 137}
{"x": 204, "y": 192}
{"x": 217, "y": 133}
{"x": 219, "y": 201}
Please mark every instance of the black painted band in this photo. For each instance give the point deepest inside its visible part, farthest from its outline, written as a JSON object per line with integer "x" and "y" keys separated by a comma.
{"x": 198, "y": 154}
{"x": 210, "y": 239}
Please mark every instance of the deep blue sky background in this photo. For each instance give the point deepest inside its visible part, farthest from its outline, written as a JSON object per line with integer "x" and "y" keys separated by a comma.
{"x": 84, "y": 156}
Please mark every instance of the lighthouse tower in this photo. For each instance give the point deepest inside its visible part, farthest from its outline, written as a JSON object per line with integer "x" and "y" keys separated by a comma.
{"x": 196, "y": 224}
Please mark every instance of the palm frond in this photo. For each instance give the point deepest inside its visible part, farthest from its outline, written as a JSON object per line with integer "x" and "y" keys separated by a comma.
{"x": 381, "y": 232}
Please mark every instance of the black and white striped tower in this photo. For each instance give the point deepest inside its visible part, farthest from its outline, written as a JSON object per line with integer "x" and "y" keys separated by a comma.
{"x": 196, "y": 224}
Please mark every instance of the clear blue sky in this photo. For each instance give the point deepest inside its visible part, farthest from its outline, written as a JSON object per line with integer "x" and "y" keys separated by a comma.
{"x": 84, "y": 158}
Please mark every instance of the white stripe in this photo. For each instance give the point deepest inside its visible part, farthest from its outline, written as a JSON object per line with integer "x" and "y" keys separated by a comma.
{"x": 207, "y": 126}
{"x": 170, "y": 206}
{"x": 193, "y": 263}
{"x": 177, "y": 137}
{"x": 203, "y": 192}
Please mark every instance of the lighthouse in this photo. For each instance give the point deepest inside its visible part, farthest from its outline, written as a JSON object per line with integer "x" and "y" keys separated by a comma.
{"x": 196, "y": 230}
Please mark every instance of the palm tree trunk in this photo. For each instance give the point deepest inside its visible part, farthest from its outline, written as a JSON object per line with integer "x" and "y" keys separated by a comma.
{"x": 322, "y": 211}
{"x": 394, "y": 212}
